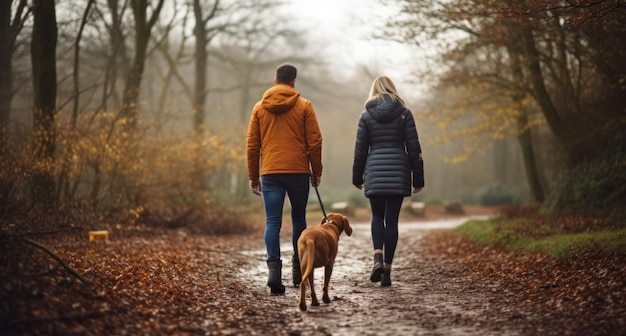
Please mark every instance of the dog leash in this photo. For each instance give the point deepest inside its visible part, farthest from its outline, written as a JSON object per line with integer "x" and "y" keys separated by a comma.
{"x": 321, "y": 205}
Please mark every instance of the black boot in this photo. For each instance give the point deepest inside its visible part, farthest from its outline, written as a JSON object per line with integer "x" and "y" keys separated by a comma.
{"x": 274, "y": 280}
{"x": 378, "y": 268}
{"x": 386, "y": 278}
{"x": 295, "y": 268}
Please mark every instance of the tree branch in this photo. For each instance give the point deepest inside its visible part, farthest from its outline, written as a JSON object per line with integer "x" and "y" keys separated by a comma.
{"x": 57, "y": 258}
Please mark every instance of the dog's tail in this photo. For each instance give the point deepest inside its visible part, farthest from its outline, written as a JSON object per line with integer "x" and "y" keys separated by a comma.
{"x": 309, "y": 263}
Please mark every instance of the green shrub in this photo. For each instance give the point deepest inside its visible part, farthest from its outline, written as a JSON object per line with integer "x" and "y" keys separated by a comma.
{"x": 496, "y": 194}
{"x": 594, "y": 188}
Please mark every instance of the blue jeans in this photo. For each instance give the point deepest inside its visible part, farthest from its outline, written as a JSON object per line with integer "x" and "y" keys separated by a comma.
{"x": 385, "y": 214}
{"x": 274, "y": 187}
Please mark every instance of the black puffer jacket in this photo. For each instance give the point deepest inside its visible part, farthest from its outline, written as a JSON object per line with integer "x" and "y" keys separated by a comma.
{"x": 387, "y": 152}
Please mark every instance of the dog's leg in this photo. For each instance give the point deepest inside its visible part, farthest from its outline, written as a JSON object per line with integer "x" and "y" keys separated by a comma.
{"x": 308, "y": 272}
{"x": 306, "y": 252}
{"x": 303, "y": 253}
{"x": 314, "y": 301}
{"x": 328, "y": 270}
{"x": 303, "y": 296}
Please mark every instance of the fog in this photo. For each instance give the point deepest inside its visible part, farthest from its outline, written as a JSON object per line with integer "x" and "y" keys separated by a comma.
{"x": 178, "y": 115}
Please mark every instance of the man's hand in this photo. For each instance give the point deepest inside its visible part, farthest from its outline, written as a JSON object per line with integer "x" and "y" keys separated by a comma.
{"x": 315, "y": 181}
{"x": 255, "y": 187}
{"x": 416, "y": 190}
{"x": 359, "y": 186}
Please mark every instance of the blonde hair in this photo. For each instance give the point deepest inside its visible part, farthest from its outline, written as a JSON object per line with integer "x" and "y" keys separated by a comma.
{"x": 384, "y": 85}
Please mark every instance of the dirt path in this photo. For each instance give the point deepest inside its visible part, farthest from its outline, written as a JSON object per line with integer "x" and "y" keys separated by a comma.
{"x": 173, "y": 282}
{"x": 426, "y": 298}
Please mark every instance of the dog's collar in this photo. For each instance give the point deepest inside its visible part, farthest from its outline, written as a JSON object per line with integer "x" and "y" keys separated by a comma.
{"x": 335, "y": 225}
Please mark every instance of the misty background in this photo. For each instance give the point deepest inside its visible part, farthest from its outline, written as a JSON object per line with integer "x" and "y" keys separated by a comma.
{"x": 150, "y": 100}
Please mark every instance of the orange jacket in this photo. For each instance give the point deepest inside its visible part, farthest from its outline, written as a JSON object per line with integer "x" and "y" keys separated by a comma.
{"x": 278, "y": 126}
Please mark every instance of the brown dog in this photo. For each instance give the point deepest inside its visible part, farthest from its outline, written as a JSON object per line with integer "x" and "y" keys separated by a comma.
{"x": 317, "y": 247}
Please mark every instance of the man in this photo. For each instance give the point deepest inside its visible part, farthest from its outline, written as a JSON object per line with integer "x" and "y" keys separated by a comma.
{"x": 283, "y": 137}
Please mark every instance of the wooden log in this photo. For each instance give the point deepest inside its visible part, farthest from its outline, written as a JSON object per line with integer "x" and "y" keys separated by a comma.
{"x": 342, "y": 208}
{"x": 418, "y": 208}
{"x": 453, "y": 207}
{"x": 98, "y": 235}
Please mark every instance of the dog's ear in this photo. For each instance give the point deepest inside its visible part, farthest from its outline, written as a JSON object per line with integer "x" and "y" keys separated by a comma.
{"x": 346, "y": 225}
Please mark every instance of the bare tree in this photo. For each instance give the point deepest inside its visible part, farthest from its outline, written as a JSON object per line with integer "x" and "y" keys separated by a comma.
{"x": 9, "y": 30}
{"x": 548, "y": 57}
{"x": 118, "y": 61}
{"x": 143, "y": 28}
{"x": 76, "y": 71}
{"x": 524, "y": 136}
{"x": 256, "y": 38}
{"x": 201, "y": 33}
{"x": 175, "y": 54}
{"x": 43, "y": 51}
{"x": 63, "y": 181}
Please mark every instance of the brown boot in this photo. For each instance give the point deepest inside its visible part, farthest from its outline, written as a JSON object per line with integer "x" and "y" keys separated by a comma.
{"x": 386, "y": 278}
{"x": 378, "y": 268}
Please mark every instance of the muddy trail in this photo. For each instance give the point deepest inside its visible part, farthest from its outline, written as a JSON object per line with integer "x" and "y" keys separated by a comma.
{"x": 176, "y": 283}
{"x": 427, "y": 297}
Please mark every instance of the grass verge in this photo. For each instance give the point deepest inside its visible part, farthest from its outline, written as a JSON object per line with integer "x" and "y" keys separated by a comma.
{"x": 521, "y": 234}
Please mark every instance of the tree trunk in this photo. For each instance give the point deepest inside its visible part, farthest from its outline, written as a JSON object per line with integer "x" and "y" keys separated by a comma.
{"x": 143, "y": 27}
{"x": 118, "y": 62}
{"x": 533, "y": 176}
{"x": 64, "y": 182}
{"x": 8, "y": 34}
{"x": 500, "y": 161}
{"x": 200, "y": 93}
{"x": 201, "y": 34}
{"x": 6, "y": 80}
{"x": 43, "y": 56}
{"x": 75, "y": 74}
{"x": 539, "y": 88}
{"x": 130, "y": 100}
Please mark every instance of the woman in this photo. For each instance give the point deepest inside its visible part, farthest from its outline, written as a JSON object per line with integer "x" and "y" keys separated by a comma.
{"x": 388, "y": 164}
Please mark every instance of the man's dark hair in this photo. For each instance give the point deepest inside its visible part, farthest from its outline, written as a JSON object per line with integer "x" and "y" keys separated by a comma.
{"x": 286, "y": 73}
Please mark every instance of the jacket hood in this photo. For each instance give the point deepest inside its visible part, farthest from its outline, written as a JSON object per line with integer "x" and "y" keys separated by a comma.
{"x": 383, "y": 109}
{"x": 279, "y": 98}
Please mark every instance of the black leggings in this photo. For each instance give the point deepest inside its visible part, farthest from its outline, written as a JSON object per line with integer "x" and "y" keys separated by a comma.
{"x": 385, "y": 213}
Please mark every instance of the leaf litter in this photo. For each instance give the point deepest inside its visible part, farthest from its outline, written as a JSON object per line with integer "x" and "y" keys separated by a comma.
{"x": 173, "y": 282}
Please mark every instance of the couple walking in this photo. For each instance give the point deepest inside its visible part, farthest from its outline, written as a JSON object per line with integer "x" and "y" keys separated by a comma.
{"x": 284, "y": 154}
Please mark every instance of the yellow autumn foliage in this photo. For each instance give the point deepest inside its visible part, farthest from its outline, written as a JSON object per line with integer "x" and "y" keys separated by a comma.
{"x": 477, "y": 115}
{"x": 99, "y": 160}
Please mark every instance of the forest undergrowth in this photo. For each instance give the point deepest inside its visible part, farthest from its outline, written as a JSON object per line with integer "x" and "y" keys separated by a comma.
{"x": 587, "y": 284}
{"x": 159, "y": 280}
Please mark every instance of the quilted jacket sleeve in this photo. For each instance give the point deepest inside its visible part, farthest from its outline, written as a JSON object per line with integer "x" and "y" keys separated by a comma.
{"x": 361, "y": 149}
{"x": 414, "y": 150}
